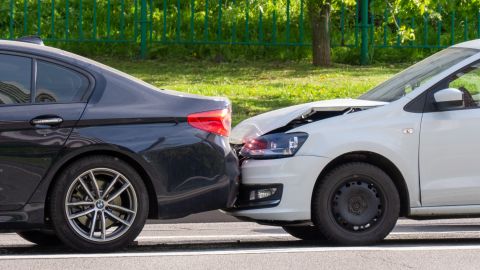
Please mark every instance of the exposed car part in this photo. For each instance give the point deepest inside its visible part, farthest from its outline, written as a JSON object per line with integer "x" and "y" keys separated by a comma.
{"x": 294, "y": 115}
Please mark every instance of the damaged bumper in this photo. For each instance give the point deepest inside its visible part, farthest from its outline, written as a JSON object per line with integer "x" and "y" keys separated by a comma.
{"x": 294, "y": 179}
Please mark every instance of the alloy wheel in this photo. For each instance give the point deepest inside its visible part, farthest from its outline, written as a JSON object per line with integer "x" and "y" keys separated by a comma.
{"x": 101, "y": 205}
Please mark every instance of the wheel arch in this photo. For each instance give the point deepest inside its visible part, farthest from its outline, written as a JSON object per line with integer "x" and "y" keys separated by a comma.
{"x": 146, "y": 177}
{"x": 377, "y": 160}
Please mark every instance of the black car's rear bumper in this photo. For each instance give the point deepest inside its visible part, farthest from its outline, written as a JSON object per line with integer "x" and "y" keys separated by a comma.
{"x": 220, "y": 193}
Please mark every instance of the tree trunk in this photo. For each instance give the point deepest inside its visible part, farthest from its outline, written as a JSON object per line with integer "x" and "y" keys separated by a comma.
{"x": 320, "y": 19}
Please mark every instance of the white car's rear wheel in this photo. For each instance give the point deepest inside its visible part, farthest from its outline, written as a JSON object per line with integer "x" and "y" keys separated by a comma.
{"x": 355, "y": 204}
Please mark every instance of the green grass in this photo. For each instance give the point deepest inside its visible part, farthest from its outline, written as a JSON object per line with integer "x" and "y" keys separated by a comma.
{"x": 256, "y": 87}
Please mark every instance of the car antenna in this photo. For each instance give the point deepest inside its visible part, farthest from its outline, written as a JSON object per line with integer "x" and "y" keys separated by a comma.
{"x": 31, "y": 39}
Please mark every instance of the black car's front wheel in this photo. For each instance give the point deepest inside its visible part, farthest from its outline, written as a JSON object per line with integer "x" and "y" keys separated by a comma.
{"x": 355, "y": 204}
{"x": 98, "y": 204}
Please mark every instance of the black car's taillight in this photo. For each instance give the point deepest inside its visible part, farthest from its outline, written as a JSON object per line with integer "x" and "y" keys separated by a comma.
{"x": 218, "y": 121}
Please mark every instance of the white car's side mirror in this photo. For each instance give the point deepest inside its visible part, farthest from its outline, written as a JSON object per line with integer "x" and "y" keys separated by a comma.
{"x": 448, "y": 98}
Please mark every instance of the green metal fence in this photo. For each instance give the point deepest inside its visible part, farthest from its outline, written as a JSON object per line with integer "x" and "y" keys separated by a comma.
{"x": 228, "y": 22}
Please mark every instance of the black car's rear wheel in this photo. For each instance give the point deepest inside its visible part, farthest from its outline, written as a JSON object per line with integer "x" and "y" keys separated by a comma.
{"x": 41, "y": 237}
{"x": 307, "y": 233}
{"x": 356, "y": 204}
{"x": 98, "y": 204}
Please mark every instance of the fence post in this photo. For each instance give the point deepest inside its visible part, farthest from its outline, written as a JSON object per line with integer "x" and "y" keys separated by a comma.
{"x": 364, "y": 37}
{"x": 143, "y": 30}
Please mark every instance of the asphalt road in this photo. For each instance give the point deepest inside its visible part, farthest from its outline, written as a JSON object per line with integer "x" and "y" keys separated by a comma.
{"x": 443, "y": 244}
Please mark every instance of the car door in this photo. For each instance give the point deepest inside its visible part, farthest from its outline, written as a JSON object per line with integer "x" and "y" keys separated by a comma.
{"x": 450, "y": 144}
{"x": 40, "y": 102}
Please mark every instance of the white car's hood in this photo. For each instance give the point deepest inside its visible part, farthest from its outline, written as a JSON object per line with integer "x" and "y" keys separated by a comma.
{"x": 266, "y": 122}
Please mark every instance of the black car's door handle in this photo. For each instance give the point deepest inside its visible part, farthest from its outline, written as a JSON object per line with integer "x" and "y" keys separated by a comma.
{"x": 46, "y": 121}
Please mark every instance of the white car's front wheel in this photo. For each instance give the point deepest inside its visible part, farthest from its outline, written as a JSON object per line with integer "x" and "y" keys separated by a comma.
{"x": 355, "y": 204}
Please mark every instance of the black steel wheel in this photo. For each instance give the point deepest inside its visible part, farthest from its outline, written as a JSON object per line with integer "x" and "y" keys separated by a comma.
{"x": 355, "y": 204}
{"x": 307, "y": 233}
{"x": 99, "y": 204}
{"x": 41, "y": 237}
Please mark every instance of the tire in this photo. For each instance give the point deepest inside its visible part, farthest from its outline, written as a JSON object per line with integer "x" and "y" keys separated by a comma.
{"x": 116, "y": 203}
{"x": 355, "y": 204}
{"x": 44, "y": 238}
{"x": 307, "y": 233}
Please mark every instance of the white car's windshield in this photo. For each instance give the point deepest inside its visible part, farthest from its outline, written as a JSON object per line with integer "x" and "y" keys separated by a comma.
{"x": 414, "y": 76}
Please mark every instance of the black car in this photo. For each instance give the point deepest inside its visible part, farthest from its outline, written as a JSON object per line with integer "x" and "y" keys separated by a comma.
{"x": 88, "y": 153}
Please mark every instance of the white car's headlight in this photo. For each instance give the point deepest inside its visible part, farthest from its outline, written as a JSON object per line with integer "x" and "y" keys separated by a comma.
{"x": 276, "y": 145}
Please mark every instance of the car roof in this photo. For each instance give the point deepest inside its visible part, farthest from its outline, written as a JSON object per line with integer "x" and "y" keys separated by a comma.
{"x": 26, "y": 47}
{"x": 58, "y": 54}
{"x": 472, "y": 44}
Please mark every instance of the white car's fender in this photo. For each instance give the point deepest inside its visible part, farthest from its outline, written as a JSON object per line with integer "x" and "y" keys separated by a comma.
{"x": 390, "y": 132}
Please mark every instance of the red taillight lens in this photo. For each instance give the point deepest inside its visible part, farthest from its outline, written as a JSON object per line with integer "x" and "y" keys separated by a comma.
{"x": 218, "y": 121}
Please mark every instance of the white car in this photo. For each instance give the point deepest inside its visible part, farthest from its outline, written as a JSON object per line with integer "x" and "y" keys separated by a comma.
{"x": 345, "y": 170}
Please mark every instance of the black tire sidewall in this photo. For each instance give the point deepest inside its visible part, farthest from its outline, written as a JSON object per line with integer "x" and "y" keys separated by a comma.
{"x": 322, "y": 215}
{"x": 57, "y": 204}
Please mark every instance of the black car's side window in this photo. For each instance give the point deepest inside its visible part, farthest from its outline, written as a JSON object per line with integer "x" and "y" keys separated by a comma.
{"x": 15, "y": 79}
{"x": 59, "y": 84}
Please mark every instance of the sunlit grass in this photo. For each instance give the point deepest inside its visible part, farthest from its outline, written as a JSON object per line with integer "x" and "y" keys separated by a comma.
{"x": 256, "y": 87}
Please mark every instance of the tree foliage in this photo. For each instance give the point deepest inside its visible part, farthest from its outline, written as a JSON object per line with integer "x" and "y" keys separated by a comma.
{"x": 259, "y": 22}
{"x": 437, "y": 12}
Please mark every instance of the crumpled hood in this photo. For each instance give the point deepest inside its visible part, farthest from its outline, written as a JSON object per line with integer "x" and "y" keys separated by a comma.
{"x": 266, "y": 122}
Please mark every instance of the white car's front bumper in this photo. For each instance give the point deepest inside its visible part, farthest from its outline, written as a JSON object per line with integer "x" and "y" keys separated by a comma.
{"x": 298, "y": 176}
